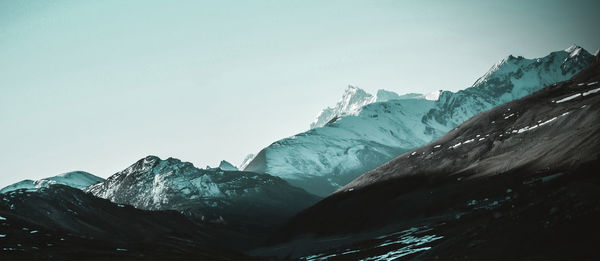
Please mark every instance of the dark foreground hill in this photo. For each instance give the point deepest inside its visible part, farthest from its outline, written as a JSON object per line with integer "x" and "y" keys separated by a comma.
{"x": 518, "y": 182}
{"x": 64, "y": 223}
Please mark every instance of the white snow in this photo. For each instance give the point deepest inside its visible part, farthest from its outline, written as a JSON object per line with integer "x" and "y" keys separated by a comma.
{"x": 592, "y": 83}
{"x": 512, "y": 114}
{"x": 433, "y": 96}
{"x": 568, "y": 98}
{"x": 469, "y": 141}
{"x": 437, "y": 146}
{"x": 2, "y": 218}
{"x": 456, "y": 145}
{"x": 591, "y": 92}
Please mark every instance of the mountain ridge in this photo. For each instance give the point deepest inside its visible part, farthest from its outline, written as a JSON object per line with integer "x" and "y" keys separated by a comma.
{"x": 350, "y": 145}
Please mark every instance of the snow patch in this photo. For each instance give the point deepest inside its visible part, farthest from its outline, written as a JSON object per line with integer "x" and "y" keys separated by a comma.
{"x": 591, "y": 92}
{"x": 568, "y": 98}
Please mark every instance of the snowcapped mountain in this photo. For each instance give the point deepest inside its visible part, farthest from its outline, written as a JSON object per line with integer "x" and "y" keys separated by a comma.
{"x": 361, "y": 133}
{"x": 323, "y": 159}
{"x": 76, "y": 179}
{"x": 510, "y": 79}
{"x": 155, "y": 184}
{"x": 355, "y": 98}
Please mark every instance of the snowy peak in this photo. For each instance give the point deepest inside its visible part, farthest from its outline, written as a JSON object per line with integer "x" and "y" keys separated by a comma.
{"x": 224, "y": 165}
{"x": 574, "y": 50}
{"x": 76, "y": 179}
{"x": 572, "y": 59}
{"x": 247, "y": 161}
{"x": 152, "y": 183}
{"x": 354, "y": 99}
{"x": 509, "y": 79}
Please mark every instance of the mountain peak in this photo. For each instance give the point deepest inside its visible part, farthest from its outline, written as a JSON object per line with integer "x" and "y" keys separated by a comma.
{"x": 224, "y": 165}
{"x": 573, "y": 48}
{"x": 352, "y": 100}
{"x": 75, "y": 179}
{"x": 352, "y": 91}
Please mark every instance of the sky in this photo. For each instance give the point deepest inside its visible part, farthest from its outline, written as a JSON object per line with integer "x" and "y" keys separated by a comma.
{"x": 97, "y": 85}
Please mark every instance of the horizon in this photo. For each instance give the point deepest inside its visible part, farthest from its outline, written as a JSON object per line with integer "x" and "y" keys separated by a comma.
{"x": 99, "y": 94}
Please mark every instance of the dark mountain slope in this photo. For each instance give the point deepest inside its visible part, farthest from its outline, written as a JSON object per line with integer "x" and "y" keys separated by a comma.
{"x": 516, "y": 182}
{"x": 65, "y": 223}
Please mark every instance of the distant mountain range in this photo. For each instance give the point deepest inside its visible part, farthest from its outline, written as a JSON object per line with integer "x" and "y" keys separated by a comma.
{"x": 363, "y": 131}
{"x": 76, "y": 179}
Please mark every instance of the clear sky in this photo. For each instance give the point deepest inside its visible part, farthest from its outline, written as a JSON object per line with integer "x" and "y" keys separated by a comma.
{"x": 97, "y": 85}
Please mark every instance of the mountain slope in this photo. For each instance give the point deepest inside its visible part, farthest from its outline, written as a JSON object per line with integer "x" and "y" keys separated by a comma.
{"x": 323, "y": 159}
{"x": 76, "y": 179}
{"x": 522, "y": 175}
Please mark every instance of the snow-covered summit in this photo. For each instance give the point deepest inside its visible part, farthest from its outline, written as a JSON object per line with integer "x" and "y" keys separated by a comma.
{"x": 76, "y": 179}
{"x": 152, "y": 183}
{"x": 355, "y": 98}
{"x": 352, "y": 100}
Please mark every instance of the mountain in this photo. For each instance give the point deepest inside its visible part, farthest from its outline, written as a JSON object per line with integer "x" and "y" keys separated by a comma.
{"x": 323, "y": 159}
{"x": 358, "y": 139}
{"x": 64, "y": 223}
{"x": 510, "y": 79}
{"x": 355, "y": 98}
{"x": 522, "y": 176}
{"x": 76, "y": 179}
{"x": 247, "y": 161}
{"x": 224, "y": 165}
{"x": 249, "y": 203}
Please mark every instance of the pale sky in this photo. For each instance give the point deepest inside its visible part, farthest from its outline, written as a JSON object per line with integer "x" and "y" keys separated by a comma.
{"x": 97, "y": 85}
